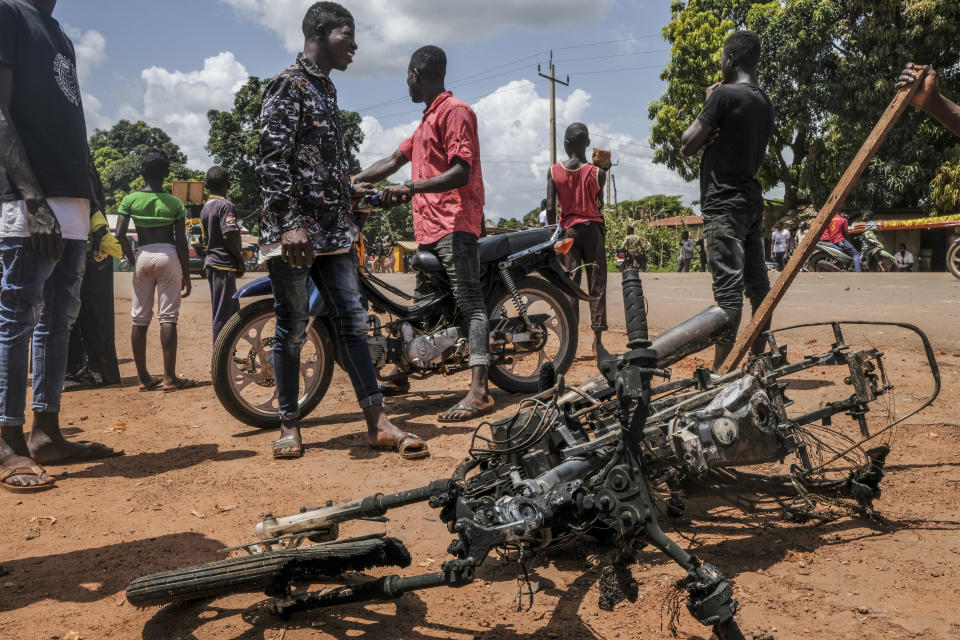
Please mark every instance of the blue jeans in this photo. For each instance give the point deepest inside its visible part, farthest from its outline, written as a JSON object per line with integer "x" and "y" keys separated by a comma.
{"x": 847, "y": 247}
{"x": 337, "y": 279}
{"x": 40, "y": 297}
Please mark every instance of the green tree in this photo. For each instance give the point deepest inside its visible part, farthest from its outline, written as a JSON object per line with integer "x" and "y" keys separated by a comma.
{"x": 116, "y": 155}
{"x": 946, "y": 186}
{"x": 829, "y": 67}
{"x": 395, "y": 223}
{"x": 233, "y": 142}
{"x": 511, "y": 224}
{"x": 661, "y": 242}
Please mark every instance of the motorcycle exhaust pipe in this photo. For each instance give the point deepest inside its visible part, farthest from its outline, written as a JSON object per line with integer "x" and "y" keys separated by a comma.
{"x": 690, "y": 336}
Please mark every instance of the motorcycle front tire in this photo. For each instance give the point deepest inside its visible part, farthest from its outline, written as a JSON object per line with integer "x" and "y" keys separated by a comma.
{"x": 953, "y": 259}
{"x": 537, "y": 287}
{"x": 220, "y": 367}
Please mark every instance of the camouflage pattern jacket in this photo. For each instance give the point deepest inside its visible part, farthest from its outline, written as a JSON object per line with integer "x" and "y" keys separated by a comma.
{"x": 303, "y": 162}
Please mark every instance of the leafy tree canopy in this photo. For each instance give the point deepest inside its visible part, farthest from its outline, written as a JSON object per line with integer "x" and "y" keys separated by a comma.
{"x": 829, "y": 66}
{"x": 233, "y": 144}
{"x": 116, "y": 155}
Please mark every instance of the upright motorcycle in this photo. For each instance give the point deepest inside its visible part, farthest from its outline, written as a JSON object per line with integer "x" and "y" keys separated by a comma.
{"x": 532, "y": 322}
{"x": 873, "y": 256}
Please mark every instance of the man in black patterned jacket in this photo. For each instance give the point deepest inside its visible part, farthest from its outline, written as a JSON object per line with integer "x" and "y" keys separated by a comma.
{"x": 307, "y": 229}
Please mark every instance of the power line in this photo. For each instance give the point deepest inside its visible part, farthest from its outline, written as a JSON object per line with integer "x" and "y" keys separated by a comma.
{"x": 536, "y": 55}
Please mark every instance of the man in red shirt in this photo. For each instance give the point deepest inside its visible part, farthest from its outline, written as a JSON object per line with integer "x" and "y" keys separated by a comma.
{"x": 838, "y": 233}
{"x": 447, "y": 193}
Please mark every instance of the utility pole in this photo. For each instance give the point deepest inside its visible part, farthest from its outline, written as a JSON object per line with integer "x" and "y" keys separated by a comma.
{"x": 553, "y": 106}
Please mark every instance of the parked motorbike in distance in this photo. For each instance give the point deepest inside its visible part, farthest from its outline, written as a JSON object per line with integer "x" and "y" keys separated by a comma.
{"x": 532, "y": 322}
{"x": 953, "y": 258}
{"x": 873, "y": 256}
{"x": 626, "y": 260}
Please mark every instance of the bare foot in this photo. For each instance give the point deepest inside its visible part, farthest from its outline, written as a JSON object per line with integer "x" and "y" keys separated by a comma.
{"x": 62, "y": 451}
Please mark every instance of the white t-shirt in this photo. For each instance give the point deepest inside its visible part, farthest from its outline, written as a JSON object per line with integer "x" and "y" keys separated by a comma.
{"x": 73, "y": 214}
{"x": 780, "y": 241}
{"x": 905, "y": 259}
{"x": 543, "y": 218}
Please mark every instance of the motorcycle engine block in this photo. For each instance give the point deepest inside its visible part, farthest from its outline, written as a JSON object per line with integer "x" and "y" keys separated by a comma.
{"x": 428, "y": 352}
{"x": 740, "y": 426}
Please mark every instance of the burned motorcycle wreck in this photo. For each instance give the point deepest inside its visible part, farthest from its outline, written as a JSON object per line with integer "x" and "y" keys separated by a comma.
{"x": 609, "y": 458}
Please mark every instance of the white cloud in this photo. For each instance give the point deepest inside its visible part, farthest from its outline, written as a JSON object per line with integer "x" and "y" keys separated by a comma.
{"x": 178, "y": 101}
{"x": 389, "y": 30}
{"x": 515, "y": 151}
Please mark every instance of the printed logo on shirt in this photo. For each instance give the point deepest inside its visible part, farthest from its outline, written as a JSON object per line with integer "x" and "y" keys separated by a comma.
{"x": 65, "y": 73}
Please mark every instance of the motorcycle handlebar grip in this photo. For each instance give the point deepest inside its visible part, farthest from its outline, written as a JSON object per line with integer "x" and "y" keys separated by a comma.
{"x": 635, "y": 310}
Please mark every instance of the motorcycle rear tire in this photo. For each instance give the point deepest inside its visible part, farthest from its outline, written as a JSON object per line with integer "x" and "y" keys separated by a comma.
{"x": 223, "y": 356}
{"x": 813, "y": 262}
{"x": 564, "y": 358}
{"x": 953, "y": 260}
{"x": 245, "y": 574}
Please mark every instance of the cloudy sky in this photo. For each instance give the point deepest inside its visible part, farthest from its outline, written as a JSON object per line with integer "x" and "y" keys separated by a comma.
{"x": 169, "y": 62}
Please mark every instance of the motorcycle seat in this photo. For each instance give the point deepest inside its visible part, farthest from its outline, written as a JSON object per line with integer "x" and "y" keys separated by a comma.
{"x": 490, "y": 249}
{"x": 494, "y": 248}
{"x": 425, "y": 261}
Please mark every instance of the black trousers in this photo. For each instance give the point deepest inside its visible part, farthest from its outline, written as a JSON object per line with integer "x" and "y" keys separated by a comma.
{"x": 92, "y": 340}
{"x": 223, "y": 284}
{"x": 589, "y": 249}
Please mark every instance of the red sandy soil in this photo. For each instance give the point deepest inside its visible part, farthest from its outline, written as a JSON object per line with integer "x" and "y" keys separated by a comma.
{"x": 194, "y": 481}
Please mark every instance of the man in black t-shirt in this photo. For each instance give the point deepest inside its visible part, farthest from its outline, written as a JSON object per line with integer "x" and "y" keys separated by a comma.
{"x": 733, "y": 130}
{"x": 224, "y": 250}
{"x": 46, "y": 190}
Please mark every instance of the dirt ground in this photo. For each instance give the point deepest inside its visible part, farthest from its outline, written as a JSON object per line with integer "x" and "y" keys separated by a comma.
{"x": 194, "y": 481}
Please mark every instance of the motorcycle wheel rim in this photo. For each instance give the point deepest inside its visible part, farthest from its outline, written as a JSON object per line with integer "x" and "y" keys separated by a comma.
{"x": 251, "y": 366}
{"x": 525, "y": 366}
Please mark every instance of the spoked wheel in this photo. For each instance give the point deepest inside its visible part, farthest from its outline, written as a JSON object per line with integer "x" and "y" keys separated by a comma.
{"x": 953, "y": 259}
{"x": 271, "y": 571}
{"x": 242, "y": 367}
{"x": 550, "y": 310}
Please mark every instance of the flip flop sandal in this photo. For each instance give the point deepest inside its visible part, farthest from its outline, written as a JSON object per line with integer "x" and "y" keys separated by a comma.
{"x": 36, "y": 472}
{"x": 152, "y": 385}
{"x": 471, "y": 413}
{"x": 183, "y": 383}
{"x": 92, "y": 451}
{"x": 410, "y": 446}
{"x": 288, "y": 447}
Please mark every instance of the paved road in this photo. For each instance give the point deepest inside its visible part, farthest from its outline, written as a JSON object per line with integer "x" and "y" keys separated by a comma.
{"x": 929, "y": 300}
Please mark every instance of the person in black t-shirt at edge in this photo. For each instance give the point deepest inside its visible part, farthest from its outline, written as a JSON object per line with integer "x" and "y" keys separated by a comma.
{"x": 733, "y": 131}
{"x": 46, "y": 192}
{"x": 224, "y": 249}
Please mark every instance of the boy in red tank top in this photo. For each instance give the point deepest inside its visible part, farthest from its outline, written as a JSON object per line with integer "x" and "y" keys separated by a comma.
{"x": 578, "y": 187}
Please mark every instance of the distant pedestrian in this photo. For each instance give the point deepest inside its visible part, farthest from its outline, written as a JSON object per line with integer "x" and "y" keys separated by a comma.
{"x": 779, "y": 241}
{"x": 904, "y": 258}
{"x": 161, "y": 269}
{"x": 543, "y": 213}
{"x": 702, "y": 253}
{"x": 686, "y": 252}
{"x": 577, "y": 186}
{"x": 224, "y": 248}
{"x": 733, "y": 130}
